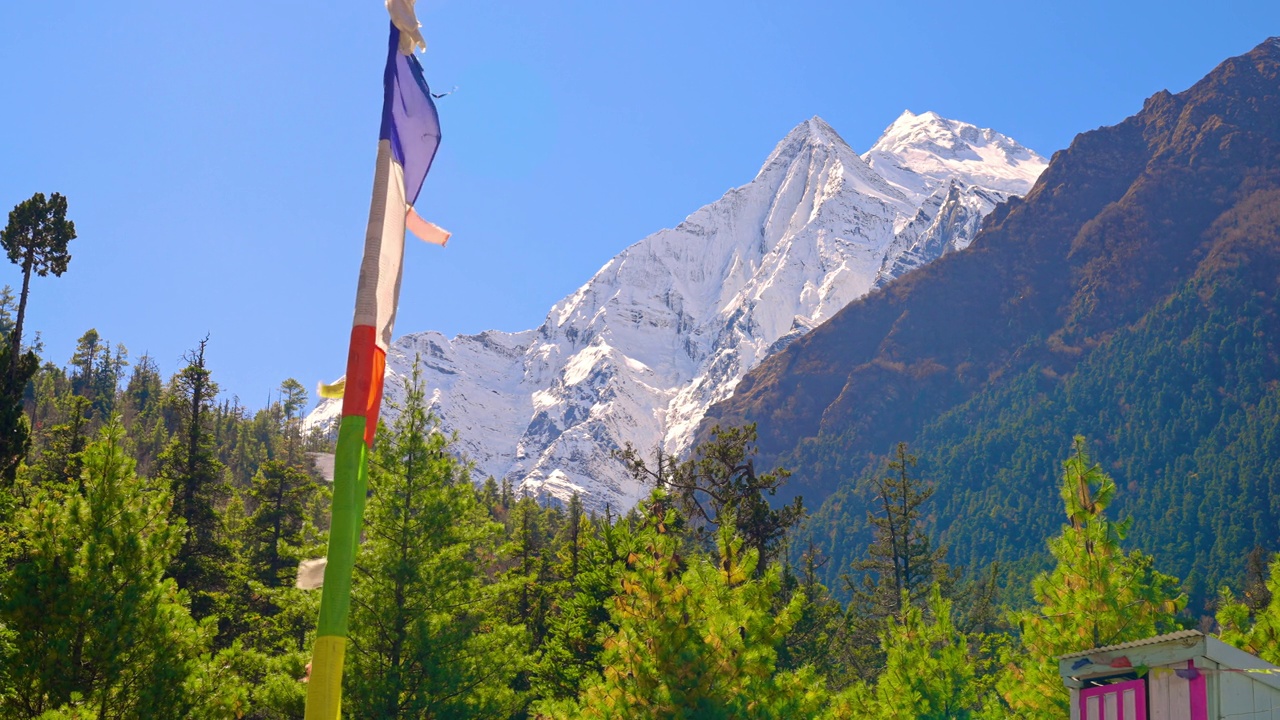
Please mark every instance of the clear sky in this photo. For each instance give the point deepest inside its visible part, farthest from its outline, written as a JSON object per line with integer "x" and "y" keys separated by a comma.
{"x": 218, "y": 157}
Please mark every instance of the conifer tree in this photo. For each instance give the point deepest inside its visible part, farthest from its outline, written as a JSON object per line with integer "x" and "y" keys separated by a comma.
{"x": 142, "y": 412}
{"x": 1254, "y": 628}
{"x": 15, "y": 427}
{"x": 581, "y": 623}
{"x": 427, "y": 639}
{"x": 59, "y": 457}
{"x": 97, "y": 371}
{"x": 530, "y": 578}
{"x": 36, "y": 239}
{"x": 94, "y": 622}
{"x": 928, "y": 673}
{"x": 276, "y": 530}
{"x": 820, "y": 638}
{"x": 695, "y": 639}
{"x": 720, "y": 481}
{"x": 901, "y": 563}
{"x": 1096, "y": 595}
{"x": 195, "y": 477}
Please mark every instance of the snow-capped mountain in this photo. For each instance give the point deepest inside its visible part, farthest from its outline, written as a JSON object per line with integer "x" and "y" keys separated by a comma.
{"x": 669, "y": 325}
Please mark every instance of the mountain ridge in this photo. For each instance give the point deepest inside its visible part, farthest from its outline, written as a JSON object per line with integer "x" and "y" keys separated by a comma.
{"x": 1135, "y": 228}
{"x": 670, "y": 323}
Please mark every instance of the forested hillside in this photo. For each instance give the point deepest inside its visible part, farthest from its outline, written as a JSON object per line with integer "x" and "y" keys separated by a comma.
{"x": 1132, "y": 297}
{"x": 152, "y": 532}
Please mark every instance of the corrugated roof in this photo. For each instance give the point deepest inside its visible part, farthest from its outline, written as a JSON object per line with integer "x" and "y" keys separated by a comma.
{"x": 1179, "y": 635}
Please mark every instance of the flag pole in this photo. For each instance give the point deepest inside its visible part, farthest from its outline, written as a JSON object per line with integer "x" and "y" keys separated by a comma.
{"x": 407, "y": 143}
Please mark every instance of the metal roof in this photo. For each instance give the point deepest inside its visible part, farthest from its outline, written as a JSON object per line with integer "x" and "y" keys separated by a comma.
{"x": 1190, "y": 637}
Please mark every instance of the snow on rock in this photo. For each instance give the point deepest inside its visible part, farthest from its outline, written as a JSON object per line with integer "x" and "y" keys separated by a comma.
{"x": 669, "y": 325}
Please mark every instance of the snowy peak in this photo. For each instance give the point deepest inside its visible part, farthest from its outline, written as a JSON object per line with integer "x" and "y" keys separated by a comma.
{"x": 813, "y": 150}
{"x": 918, "y": 154}
{"x": 814, "y": 132}
{"x": 669, "y": 325}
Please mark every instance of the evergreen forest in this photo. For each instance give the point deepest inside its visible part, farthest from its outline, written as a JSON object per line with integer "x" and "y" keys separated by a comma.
{"x": 151, "y": 532}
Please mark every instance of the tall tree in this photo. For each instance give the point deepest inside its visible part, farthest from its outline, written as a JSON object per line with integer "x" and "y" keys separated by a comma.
{"x": 821, "y": 636}
{"x": 720, "y": 480}
{"x": 190, "y": 465}
{"x": 695, "y": 638}
{"x": 902, "y": 561}
{"x": 928, "y": 673}
{"x": 92, "y": 615}
{"x": 1252, "y": 623}
{"x": 1096, "y": 595}
{"x": 530, "y": 553}
{"x": 581, "y": 624}
{"x": 293, "y": 398}
{"x": 36, "y": 240}
{"x": 426, "y": 638}
{"x": 283, "y": 496}
{"x": 59, "y": 460}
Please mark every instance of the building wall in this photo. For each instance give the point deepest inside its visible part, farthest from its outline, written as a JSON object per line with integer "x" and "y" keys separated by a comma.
{"x": 1243, "y": 698}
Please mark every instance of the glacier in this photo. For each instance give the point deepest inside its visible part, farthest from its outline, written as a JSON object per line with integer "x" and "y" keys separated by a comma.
{"x": 672, "y": 323}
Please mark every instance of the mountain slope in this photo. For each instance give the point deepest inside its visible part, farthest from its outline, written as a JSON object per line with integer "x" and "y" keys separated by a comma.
{"x": 670, "y": 324}
{"x": 1132, "y": 295}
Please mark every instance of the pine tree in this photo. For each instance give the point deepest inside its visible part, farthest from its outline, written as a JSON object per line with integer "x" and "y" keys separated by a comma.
{"x": 928, "y": 673}
{"x": 15, "y": 427}
{"x": 94, "y": 621}
{"x": 695, "y": 639}
{"x": 426, "y": 636}
{"x": 581, "y": 623}
{"x": 720, "y": 481}
{"x": 97, "y": 371}
{"x": 1254, "y": 626}
{"x": 36, "y": 239}
{"x": 821, "y": 636}
{"x": 195, "y": 477}
{"x": 1096, "y": 595}
{"x": 142, "y": 412}
{"x": 530, "y": 579}
{"x": 283, "y": 497}
{"x": 63, "y": 444}
{"x": 901, "y": 563}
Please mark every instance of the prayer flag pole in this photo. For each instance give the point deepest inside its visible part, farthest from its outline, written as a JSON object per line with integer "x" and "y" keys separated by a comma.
{"x": 407, "y": 144}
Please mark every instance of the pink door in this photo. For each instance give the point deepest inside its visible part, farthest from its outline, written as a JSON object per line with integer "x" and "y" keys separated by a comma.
{"x": 1121, "y": 701}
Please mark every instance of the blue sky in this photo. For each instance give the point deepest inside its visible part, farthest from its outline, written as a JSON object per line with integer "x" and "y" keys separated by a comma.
{"x": 218, "y": 157}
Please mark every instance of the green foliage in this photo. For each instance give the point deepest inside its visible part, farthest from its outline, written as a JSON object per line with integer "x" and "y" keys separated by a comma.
{"x": 15, "y": 426}
{"x": 97, "y": 372}
{"x": 928, "y": 671}
{"x": 822, "y": 637}
{"x": 1096, "y": 595}
{"x": 426, "y": 637}
{"x": 530, "y": 582}
{"x": 582, "y": 622}
{"x": 37, "y": 235}
{"x": 277, "y": 532}
{"x": 1254, "y": 629}
{"x": 92, "y": 615}
{"x": 695, "y": 638}
{"x": 720, "y": 481}
{"x": 1186, "y": 404}
{"x": 36, "y": 240}
{"x": 190, "y": 465}
{"x": 901, "y": 561}
{"x": 263, "y": 628}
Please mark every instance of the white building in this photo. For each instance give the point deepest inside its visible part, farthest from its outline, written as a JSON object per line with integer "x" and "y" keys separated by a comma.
{"x": 1185, "y": 675}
